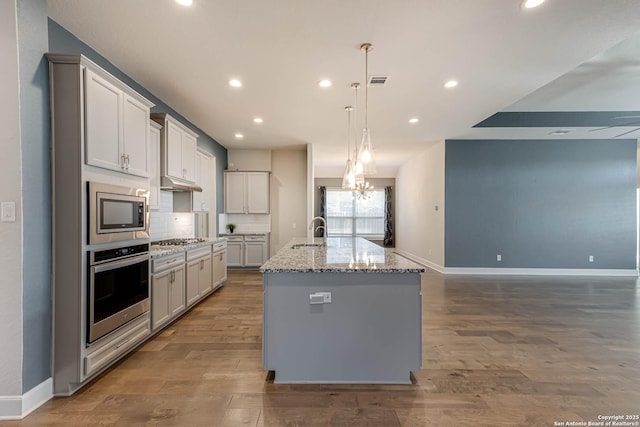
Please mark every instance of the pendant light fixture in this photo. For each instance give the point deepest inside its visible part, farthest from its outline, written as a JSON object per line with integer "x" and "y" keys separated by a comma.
{"x": 365, "y": 154}
{"x": 357, "y": 170}
{"x": 348, "y": 179}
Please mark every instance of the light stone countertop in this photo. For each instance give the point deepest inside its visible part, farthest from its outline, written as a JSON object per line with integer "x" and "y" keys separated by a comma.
{"x": 160, "y": 251}
{"x": 340, "y": 254}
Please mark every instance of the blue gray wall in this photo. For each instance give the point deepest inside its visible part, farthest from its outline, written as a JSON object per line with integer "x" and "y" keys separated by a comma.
{"x": 36, "y": 192}
{"x": 62, "y": 41}
{"x": 540, "y": 204}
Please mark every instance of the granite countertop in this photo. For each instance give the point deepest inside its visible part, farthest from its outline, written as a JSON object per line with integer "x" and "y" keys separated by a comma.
{"x": 160, "y": 251}
{"x": 340, "y": 254}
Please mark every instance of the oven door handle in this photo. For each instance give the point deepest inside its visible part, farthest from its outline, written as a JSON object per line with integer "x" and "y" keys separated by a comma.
{"x": 119, "y": 264}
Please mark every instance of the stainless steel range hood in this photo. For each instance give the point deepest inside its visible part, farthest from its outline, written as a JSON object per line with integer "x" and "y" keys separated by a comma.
{"x": 172, "y": 184}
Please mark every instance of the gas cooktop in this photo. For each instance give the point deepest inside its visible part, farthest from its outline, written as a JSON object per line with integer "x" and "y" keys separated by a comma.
{"x": 179, "y": 242}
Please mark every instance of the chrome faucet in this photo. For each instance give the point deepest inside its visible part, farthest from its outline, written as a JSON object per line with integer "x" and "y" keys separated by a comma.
{"x": 323, "y": 226}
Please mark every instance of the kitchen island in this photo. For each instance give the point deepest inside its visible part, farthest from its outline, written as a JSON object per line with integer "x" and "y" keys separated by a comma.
{"x": 344, "y": 310}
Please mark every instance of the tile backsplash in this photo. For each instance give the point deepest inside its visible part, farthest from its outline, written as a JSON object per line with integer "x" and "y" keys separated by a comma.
{"x": 166, "y": 224}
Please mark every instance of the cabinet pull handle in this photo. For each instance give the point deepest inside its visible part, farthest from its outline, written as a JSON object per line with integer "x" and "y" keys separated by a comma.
{"x": 123, "y": 161}
{"x": 123, "y": 342}
{"x": 201, "y": 264}
{"x": 128, "y": 162}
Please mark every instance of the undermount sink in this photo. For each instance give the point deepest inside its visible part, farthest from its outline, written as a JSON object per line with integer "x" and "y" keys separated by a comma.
{"x": 308, "y": 245}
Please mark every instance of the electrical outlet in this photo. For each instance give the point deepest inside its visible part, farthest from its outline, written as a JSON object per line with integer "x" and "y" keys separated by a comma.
{"x": 498, "y": 257}
{"x": 8, "y": 212}
{"x": 590, "y": 258}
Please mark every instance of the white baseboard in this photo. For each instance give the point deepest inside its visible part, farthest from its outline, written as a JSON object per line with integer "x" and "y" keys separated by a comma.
{"x": 425, "y": 262}
{"x": 541, "y": 271}
{"x": 18, "y": 407}
{"x": 519, "y": 271}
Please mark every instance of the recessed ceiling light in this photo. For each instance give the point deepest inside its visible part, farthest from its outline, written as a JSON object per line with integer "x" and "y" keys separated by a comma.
{"x": 239, "y": 136}
{"x": 530, "y": 4}
{"x": 235, "y": 83}
{"x": 451, "y": 83}
{"x": 325, "y": 83}
{"x": 414, "y": 120}
{"x": 185, "y": 2}
{"x": 257, "y": 120}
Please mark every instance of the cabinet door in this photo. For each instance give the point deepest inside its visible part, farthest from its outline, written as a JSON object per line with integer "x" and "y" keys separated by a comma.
{"x": 258, "y": 192}
{"x": 234, "y": 254}
{"x": 178, "y": 291}
{"x": 204, "y": 178}
{"x": 193, "y": 282}
{"x": 189, "y": 157}
{"x": 173, "y": 149}
{"x": 154, "y": 167}
{"x": 160, "y": 310}
{"x": 135, "y": 137}
{"x": 103, "y": 112}
{"x": 253, "y": 254}
{"x": 204, "y": 275}
{"x": 219, "y": 262}
{"x": 234, "y": 192}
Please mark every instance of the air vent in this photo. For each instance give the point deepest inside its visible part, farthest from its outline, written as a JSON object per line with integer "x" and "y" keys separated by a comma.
{"x": 377, "y": 81}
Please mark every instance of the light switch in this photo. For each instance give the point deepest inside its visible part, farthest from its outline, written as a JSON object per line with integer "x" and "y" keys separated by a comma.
{"x": 8, "y": 213}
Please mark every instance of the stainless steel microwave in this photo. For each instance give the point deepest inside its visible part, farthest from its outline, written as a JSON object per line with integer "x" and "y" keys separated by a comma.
{"x": 117, "y": 213}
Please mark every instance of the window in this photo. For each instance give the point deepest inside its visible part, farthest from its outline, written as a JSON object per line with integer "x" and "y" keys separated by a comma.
{"x": 348, "y": 215}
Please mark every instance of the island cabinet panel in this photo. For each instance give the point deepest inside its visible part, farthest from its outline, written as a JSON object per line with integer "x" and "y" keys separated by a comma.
{"x": 370, "y": 332}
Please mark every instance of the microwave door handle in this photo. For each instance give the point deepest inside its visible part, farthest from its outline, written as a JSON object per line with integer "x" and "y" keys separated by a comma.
{"x": 119, "y": 264}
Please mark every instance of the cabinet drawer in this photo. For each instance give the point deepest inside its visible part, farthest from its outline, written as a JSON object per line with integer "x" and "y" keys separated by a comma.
{"x": 117, "y": 347}
{"x": 198, "y": 253}
{"x": 234, "y": 238}
{"x": 166, "y": 263}
{"x": 220, "y": 246}
{"x": 254, "y": 238}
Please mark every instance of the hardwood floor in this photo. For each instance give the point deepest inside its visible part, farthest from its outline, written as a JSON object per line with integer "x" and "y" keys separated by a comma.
{"x": 498, "y": 351}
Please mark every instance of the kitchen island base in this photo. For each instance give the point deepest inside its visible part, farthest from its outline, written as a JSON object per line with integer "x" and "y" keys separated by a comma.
{"x": 370, "y": 332}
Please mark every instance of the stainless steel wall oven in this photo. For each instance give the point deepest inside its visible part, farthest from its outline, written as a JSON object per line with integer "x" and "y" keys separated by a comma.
{"x": 118, "y": 285}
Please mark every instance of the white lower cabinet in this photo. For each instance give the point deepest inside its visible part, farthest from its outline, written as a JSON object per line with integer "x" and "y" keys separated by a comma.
{"x": 235, "y": 248}
{"x": 247, "y": 250}
{"x": 198, "y": 274}
{"x": 219, "y": 265}
{"x": 168, "y": 291}
{"x": 129, "y": 337}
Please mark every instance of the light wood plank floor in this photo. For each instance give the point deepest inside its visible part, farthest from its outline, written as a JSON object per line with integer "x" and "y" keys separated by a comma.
{"x": 498, "y": 351}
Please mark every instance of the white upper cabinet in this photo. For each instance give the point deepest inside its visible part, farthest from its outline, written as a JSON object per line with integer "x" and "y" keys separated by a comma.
{"x": 116, "y": 126}
{"x": 135, "y": 138}
{"x": 258, "y": 192}
{"x": 234, "y": 192}
{"x": 246, "y": 192}
{"x": 202, "y": 200}
{"x": 154, "y": 165}
{"x": 178, "y": 149}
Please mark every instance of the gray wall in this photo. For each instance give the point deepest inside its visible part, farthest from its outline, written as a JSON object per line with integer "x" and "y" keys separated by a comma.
{"x": 62, "y": 41}
{"x": 36, "y": 192}
{"x": 540, "y": 204}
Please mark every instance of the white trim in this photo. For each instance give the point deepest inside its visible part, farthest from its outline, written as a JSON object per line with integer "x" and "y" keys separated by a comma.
{"x": 541, "y": 271}
{"x": 18, "y": 407}
{"x": 425, "y": 262}
{"x": 519, "y": 271}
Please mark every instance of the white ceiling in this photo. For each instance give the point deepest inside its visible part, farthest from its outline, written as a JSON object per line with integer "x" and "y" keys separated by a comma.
{"x": 280, "y": 49}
